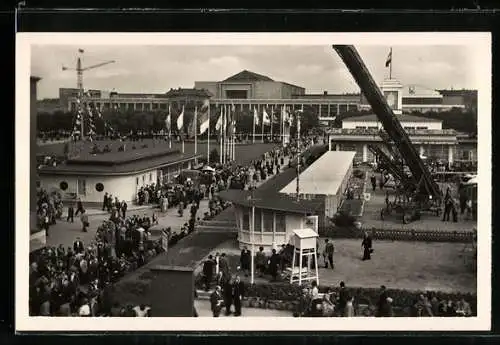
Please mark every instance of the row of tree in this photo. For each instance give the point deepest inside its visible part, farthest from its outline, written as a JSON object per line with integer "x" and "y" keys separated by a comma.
{"x": 155, "y": 121}
{"x": 126, "y": 121}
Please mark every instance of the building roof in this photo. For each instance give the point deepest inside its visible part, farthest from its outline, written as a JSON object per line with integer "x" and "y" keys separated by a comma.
{"x": 119, "y": 163}
{"x": 184, "y": 92}
{"x": 247, "y": 76}
{"x": 305, "y": 233}
{"x": 401, "y": 118}
{"x": 272, "y": 201}
{"x": 324, "y": 176}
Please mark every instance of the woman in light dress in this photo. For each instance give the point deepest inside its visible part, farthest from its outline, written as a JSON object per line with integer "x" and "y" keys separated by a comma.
{"x": 349, "y": 307}
{"x": 327, "y": 306}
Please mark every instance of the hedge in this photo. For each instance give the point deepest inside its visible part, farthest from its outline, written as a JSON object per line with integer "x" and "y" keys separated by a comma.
{"x": 402, "y": 299}
{"x": 398, "y": 235}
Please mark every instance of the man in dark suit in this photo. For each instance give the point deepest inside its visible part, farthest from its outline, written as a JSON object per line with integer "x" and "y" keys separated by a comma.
{"x": 342, "y": 301}
{"x": 382, "y": 302}
{"x": 216, "y": 301}
{"x": 274, "y": 262}
{"x": 208, "y": 271}
{"x": 71, "y": 213}
{"x": 227, "y": 291}
{"x": 238, "y": 293}
{"x": 78, "y": 246}
{"x": 105, "y": 201}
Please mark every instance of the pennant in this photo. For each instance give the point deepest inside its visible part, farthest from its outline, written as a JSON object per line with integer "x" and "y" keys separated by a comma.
{"x": 204, "y": 117}
{"x": 191, "y": 131}
{"x": 180, "y": 120}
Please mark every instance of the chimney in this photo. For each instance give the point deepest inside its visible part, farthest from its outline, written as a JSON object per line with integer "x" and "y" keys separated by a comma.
{"x": 325, "y": 93}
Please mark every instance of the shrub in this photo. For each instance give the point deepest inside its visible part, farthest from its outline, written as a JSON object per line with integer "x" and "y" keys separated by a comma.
{"x": 343, "y": 219}
{"x": 358, "y": 173}
{"x": 288, "y": 295}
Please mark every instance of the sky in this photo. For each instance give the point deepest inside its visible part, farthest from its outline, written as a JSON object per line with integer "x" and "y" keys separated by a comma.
{"x": 156, "y": 69}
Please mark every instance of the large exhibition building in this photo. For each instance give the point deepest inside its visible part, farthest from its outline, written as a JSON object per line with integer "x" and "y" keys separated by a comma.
{"x": 247, "y": 90}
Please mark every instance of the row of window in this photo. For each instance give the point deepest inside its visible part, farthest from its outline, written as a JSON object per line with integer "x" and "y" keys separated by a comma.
{"x": 264, "y": 221}
{"x": 81, "y": 186}
{"x": 144, "y": 179}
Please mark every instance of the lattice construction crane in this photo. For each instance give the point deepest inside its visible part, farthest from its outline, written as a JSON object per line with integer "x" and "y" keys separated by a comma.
{"x": 79, "y": 79}
{"x": 427, "y": 195}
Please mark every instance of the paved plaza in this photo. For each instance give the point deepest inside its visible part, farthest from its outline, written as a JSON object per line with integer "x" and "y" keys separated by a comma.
{"x": 416, "y": 266}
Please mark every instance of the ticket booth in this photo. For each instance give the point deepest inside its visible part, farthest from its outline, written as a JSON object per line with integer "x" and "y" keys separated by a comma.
{"x": 304, "y": 242}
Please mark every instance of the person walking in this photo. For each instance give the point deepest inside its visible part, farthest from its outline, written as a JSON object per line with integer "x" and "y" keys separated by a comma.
{"x": 329, "y": 249}
{"x": 71, "y": 213}
{"x": 85, "y": 221}
{"x": 367, "y": 247}
{"x": 79, "y": 207}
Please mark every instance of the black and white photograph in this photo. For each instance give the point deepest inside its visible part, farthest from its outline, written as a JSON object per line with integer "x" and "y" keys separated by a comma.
{"x": 215, "y": 181}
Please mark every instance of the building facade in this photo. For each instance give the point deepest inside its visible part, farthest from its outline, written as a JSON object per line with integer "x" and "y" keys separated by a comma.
{"x": 89, "y": 178}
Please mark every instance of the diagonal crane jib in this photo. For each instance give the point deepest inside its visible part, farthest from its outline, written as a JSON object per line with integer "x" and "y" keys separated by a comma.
{"x": 384, "y": 113}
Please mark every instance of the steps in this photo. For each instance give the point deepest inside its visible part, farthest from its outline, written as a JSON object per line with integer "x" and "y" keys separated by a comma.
{"x": 204, "y": 295}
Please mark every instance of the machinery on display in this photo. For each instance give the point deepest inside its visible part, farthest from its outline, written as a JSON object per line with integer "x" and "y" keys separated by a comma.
{"x": 417, "y": 191}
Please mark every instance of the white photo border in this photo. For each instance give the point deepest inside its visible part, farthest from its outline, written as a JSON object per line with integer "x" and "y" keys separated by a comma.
{"x": 480, "y": 43}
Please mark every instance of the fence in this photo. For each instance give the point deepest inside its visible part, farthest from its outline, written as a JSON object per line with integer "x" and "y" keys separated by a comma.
{"x": 400, "y": 235}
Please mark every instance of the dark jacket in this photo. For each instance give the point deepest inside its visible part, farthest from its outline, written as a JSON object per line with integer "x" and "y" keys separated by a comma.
{"x": 208, "y": 267}
{"x": 214, "y": 299}
{"x": 238, "y": 290}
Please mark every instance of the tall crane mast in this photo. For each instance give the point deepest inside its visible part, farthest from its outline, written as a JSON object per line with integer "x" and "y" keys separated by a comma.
{"x": 390, "y": 123}
{"x": 79, "y": 80}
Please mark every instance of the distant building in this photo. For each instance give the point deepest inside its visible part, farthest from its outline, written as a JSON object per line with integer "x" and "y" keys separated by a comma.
{"x": 428, "y": 136}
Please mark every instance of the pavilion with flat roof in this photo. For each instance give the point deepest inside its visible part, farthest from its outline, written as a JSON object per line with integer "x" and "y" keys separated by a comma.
{"x": 277, "y": 212}
{"x": 119, "y": 173}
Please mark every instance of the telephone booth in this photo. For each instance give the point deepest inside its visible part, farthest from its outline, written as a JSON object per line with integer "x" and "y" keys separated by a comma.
{"x": 304, "y": 242}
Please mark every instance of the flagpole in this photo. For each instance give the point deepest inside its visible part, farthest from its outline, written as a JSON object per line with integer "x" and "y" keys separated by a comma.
{"x": 208, "y": 137}
{"x": 253, "y": 135}
{"x": 262, "y": 125}
{"x": 390, "y": 65}
{"x": 272, "y": 121}
{"x": 195, "y": 134}
{"x": 169, "y": 127}
{"x": 182, "y": 133}
{"x": 220, "y": 133}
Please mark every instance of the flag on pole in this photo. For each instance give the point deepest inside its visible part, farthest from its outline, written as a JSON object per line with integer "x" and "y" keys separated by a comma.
{"x": 168, "y": 120}
{"x": 388, "y": 61}
{"x": 255, "y": 116}
{"x": 218, "y": 124}
{"x": 204, "y": 117}
{"x": 192, "y": 125}
{"x": 180, "y": 120}
{"x": 265, "y": 118}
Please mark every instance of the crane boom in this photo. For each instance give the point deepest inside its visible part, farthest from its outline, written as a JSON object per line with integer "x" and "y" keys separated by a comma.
{"x": 384, "y": 113}
{"x": 98, "y": 65}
